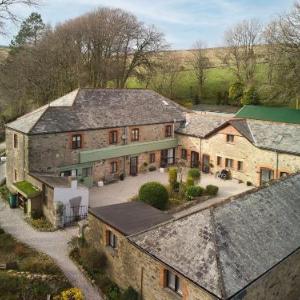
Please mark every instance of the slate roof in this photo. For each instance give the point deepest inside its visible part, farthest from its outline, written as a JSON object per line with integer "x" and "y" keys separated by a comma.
{"x": 85, "y": 109}
{"x": 274, "y": 114}
{"x": 201, "y": 124}
{"x": 131, "y": 217}
{"x": 224, "y": 249}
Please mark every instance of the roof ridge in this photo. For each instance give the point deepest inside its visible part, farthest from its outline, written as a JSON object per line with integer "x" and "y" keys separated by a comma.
{"x": 35, "y": 123}
{"x": 250, "y": 130}
{"x": 217, "y": 256}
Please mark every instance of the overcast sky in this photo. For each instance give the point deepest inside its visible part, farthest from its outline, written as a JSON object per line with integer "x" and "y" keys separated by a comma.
{"x": 182, "y": 21}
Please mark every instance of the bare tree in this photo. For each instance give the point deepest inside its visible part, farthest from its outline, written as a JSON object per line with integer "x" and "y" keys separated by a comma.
{"x": 168, "y": 71}
{"x": 7, "y": 13}
{"x": 282, "y": 37}
{"x": 241, "y": 40}
{"x": 200, "y": 63}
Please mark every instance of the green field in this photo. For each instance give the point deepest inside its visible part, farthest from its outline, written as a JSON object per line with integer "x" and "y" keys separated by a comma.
{"x": 218, "y": 80}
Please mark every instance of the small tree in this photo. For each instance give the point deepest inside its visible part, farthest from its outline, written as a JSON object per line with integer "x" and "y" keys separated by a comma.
{"x": 250, "y": 96}
{"x": 236, "y": 91}
{"x": 194, "y": 173}
{"x": 155, "y": 194}
{"x": 173, "y": 178}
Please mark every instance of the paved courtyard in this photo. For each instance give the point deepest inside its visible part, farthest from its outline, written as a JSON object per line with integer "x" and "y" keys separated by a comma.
{"x": 123, "y": 191}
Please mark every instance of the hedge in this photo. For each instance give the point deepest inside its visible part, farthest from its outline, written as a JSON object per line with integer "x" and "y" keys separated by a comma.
{"x": 194, "y": 191}
{"x": 211, "y": 190}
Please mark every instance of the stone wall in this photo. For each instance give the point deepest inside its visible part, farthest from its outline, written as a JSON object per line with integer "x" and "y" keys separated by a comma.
{"x": 129, "y": 266}
{"x": 17, "y": 158}
{"x": 49, "y": 152}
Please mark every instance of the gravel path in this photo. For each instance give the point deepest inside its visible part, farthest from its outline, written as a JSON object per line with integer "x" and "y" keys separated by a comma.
{"x": 54, "y": 244}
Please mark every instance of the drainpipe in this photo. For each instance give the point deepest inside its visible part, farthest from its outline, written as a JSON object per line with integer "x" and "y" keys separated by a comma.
{"x": 142, "y": 283}
{"x": 124, "y": 143}
{"x": 277, "y": 164}
{"x": 200, "y": 153}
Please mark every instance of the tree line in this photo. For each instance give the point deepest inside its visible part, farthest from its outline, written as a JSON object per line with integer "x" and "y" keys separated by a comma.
{"x": 107, "y": 47}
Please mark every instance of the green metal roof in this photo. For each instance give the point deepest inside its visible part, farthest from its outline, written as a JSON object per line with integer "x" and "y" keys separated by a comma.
{"x": 129, "y": 149}
{"x": 274, "y": 114}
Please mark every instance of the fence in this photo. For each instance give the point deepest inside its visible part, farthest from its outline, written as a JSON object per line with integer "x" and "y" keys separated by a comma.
{"x": 73, "y": 214}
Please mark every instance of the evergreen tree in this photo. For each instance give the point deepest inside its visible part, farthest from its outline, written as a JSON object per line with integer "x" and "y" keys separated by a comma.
{"x": 30, "y": 32}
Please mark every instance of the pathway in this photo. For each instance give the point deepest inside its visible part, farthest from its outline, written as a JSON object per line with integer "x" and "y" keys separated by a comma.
{"x": 54, "y": 244}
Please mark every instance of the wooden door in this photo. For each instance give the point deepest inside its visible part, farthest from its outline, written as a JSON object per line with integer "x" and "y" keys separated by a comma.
{"x": 205, "y": 163}
{"x": 134, "y": 166}
{"x": 194, "y": 159}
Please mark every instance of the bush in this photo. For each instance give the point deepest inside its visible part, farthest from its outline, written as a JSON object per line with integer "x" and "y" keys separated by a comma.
{"x": 130, "y": 294}
{"x": 211, "y": 190}
{"x": 152, "y": 168}
{"x": 194, "y": 173}
{"x": 71, "y": 294}
{"x": 250, "y": 96}
{"x": 39, "y": 264}
{"x": 113, "y": 292}
{"x": 190, "y": 182}
{"x": 194, "y": 191}
{"x": 2, "y": 231}
{"x": 4, "y": 192}
{"x": 236, "y": 91}
{"x": 172, "y": 178}
{"x": 40, "y": 224}
{"x": 154, "y": 194}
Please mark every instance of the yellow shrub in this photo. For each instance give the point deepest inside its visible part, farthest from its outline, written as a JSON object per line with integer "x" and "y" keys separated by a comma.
{"x": 71, "y": 294}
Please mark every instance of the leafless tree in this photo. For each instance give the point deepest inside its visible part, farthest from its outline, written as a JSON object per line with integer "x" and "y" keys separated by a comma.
{"x": 7, "y": 12}
{"x": 241, "y": 40}
{"x": 282, "y": 37}
{"x": 168, "y": 71}
{"x": 200, "y": 63}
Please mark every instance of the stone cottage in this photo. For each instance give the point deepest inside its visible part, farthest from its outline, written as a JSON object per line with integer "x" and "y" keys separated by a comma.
{"x": 246, "y": 248}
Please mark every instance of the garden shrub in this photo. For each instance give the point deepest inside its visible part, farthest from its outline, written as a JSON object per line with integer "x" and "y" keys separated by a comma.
{"x": 70, "y": 294}
{"x": 194, "y": 173}
{"x": 194, "y": 191}
{"x": 190, "y": 182}
{"x": 172, "y": 178}
{"x": 2, "y": 231}
{"x": 211, "y": 190}
{"x": 130, "y": 294}
{"x": 39, "y": 264}
{"x": 155, "y": 194}
{"x": 113, "y": 292}
{"x": 4, "y": 192}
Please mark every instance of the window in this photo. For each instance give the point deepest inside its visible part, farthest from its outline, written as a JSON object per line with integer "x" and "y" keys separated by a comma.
{"x": 66, "y": 173}
{"x": 113, "y": 137}
{"x": 266, "y": 175}
{"x": 240, "y": 166}
{"x": 229, "y": 163}
{"x": 76, "y": 141}
{"x": 284, "y": 174}
{"x": 111, "y": 239}
{"x": 219, "y": 160}
{"x": 135, "y": 134}
{"x": 15, "y": 141}
{"x": 230, "y": 138}
{"x": 183, "y": 154}
{"x": 114, "y": 167}
{"x": 152, "y": 158}
{"x": 86, "y": 172}
{"x": 16, "y": 175}
{"x": 168, "y": 132}
{"x": 173, "y": 282}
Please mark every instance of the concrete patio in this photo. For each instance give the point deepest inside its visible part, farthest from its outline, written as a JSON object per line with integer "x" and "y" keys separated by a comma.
{"x": 123, "y": 191}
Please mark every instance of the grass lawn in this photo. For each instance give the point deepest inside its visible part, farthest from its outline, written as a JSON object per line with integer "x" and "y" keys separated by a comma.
{"x": 29, "y": 274}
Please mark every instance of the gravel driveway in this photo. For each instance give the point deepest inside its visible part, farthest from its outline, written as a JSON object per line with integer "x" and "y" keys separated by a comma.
{"x": 54, "y": 244}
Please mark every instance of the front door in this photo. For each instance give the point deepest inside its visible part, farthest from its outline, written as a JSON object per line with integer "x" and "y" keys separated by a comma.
{"x": 194, "y": 159}
{"x": 133, "y": 166}
{"x": 205, "y": 163}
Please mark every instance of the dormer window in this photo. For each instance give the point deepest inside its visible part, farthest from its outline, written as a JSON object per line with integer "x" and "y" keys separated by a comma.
{"x": 76, "y": 141}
